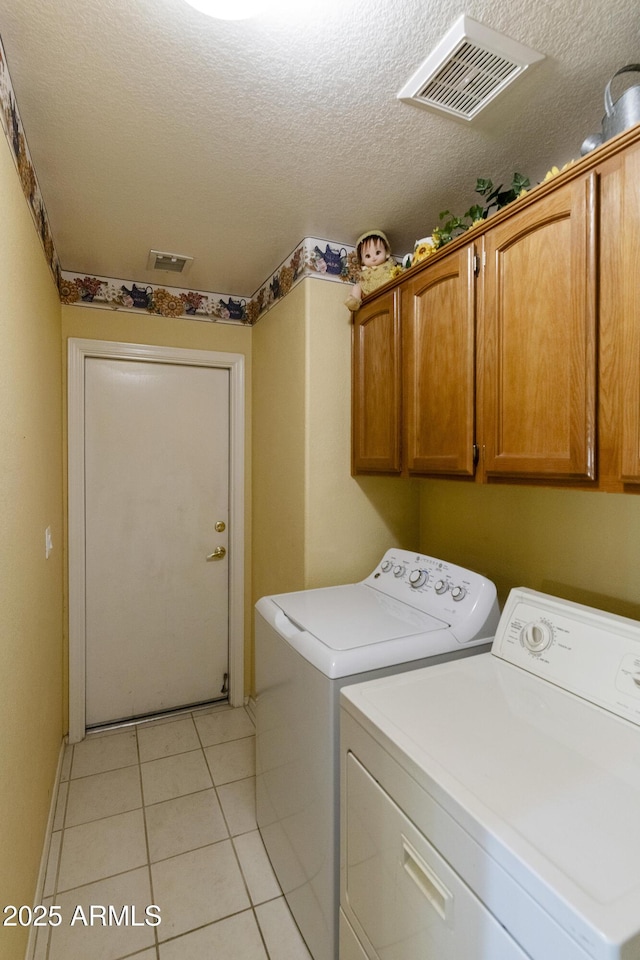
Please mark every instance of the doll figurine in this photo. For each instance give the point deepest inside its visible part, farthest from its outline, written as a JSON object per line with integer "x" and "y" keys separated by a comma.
{"x": 376, "y": 266}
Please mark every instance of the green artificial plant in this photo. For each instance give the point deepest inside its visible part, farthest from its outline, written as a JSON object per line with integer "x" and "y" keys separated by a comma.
{"x": 495, "y": 199}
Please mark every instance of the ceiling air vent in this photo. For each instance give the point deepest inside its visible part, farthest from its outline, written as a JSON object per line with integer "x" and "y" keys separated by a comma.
{"x": 170, "y": 262}
{"x": 470, "y": 66}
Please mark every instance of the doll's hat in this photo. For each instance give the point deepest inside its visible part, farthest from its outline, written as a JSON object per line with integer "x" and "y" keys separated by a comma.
{"x": 372, "y": 233}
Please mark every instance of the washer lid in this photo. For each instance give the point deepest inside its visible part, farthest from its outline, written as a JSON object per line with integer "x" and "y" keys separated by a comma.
{"x": 354, "y": 615}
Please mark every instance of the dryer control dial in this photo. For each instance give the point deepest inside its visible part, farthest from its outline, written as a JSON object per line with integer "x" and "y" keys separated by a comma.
{"x": 387, "y": 565}
{"x": 418, "y": 578}
{"x": 399, "y": 570}
{"x": 441, "y": 587}
{"x": 459, "y": 593}
{"x": 537, "y": 636}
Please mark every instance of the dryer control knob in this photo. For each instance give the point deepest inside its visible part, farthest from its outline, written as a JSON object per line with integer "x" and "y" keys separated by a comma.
{"x": 458, "y": 593}
{"x": 442, "y": 586}
{"x": 399, "y": 570}
{"x": 537, "y": 636}
{"x": 387, "y": 565}
{"x": 418, "y": 578}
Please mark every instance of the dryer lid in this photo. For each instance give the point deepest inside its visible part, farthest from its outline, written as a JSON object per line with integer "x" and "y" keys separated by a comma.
{"x": 354, "y": 615}
{"x": 547, "y": 783}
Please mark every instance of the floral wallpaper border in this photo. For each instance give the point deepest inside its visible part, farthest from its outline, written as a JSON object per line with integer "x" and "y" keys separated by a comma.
{"x": 311, "y": 258}
{"x": 14, "y": 132}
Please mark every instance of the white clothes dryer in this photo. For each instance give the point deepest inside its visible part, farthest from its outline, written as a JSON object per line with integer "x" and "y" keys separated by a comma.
{"x": 490, "y": 806}
{"x": 410, "y": 612}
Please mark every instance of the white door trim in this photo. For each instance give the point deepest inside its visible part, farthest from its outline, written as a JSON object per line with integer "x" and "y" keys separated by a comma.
{"x": 78, "y": 350}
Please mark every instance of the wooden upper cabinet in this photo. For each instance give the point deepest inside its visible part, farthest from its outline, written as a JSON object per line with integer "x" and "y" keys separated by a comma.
{"x": 539, "y": 338}
{"x": 535, "y": 359}
{"x": 439, "y": 367}
{"x": 376, "y": 383}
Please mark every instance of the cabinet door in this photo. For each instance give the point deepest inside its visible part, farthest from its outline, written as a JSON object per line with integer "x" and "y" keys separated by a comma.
{"x": 376, "y": 402}
{"x": 539, "y": 321}
{"x": 439, "y": 364}
{"x": 628, "y": 302}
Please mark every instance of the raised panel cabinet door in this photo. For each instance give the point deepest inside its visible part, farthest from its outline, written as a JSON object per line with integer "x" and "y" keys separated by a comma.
{"x": 439, "y": 364}
{"x": 376, "y": 401}
{"x": 628, "y": 248}
{"x": 539, "y": 316}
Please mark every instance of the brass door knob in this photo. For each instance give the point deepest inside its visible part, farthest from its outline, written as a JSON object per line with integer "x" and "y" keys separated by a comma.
{"x": 217, "y": 554}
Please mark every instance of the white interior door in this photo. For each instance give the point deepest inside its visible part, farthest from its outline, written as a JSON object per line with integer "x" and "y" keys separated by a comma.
{"x": 156, "y": 476}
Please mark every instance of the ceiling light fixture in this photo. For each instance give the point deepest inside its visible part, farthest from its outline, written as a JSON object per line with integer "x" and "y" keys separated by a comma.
{"x": 230, "y": 9}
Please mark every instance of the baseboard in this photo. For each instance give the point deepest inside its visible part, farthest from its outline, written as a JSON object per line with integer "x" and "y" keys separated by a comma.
{"x": 44, "y": 859}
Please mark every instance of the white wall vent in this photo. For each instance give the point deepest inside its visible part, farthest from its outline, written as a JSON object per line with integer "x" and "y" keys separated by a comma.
{"x": 470, "y": 66}
{"x": 170, "y": 262}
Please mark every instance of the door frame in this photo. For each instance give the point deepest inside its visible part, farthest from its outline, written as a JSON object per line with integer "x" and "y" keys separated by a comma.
{"x": 78, "y": 351}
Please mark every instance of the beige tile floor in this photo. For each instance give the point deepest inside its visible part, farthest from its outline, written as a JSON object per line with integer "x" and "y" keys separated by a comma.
{"x": 163, "y": 814}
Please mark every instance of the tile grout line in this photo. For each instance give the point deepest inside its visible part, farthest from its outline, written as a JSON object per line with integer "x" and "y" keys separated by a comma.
{"x": 146, "y": 841}
{"x": 252, "y": 906}
{"x": 213, "y": 787}
{"x": 100, "y": 773}
{"x": 213, "y": 784}
{"x": 63, "y": 818}
{"x": 203, "y": 926}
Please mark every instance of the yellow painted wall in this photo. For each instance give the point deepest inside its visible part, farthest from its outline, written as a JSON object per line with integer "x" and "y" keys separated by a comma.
{"x": 30, "y": 586}
{"x": 278, "y": 421}
{"x": 118, "y": 325}
{"x": 313, "y": 524}
{"x": 581, "y": 545}
{"x": 349, "y": 522}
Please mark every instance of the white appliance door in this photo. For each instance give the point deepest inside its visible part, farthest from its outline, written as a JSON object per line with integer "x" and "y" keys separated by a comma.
{"x": 156, "y": 483}
{"x": 403, "y": 898}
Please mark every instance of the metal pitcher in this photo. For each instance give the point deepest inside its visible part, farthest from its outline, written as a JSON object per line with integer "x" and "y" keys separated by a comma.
{"x": 618, "y": 116}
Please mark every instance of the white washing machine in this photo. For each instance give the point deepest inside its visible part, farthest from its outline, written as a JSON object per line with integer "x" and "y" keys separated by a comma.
{"x": 411, "y": 611}
{"x": 491, "y": 807}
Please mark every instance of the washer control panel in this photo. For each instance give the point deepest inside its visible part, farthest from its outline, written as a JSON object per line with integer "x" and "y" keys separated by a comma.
{"x": 590, "y": 653}
{"x": 461, "y": 598}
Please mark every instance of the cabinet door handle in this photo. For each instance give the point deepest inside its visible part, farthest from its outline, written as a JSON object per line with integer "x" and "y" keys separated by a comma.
{"x": 429, "y": 885}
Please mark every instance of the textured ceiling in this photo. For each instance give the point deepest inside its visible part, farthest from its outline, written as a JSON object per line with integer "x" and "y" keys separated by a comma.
{"x": 153, "y": 126}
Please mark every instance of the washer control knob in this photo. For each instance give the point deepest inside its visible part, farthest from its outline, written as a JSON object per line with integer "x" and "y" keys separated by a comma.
{"x": 418, "y": 578}
{"x": 458, "y": 593}
{"x": 387, "y": 565}
{"x": 537, "y": 636}
{"x": 399, "y": 570}
{"x": 441, "y": 586}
